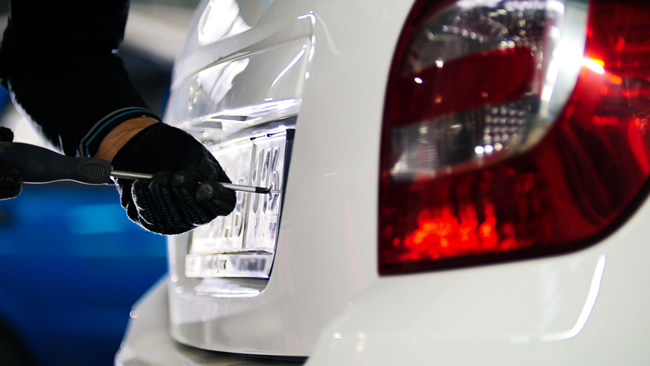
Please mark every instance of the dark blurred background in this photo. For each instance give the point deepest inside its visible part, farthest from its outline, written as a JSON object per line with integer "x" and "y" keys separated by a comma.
{"x": 71, "y": 263}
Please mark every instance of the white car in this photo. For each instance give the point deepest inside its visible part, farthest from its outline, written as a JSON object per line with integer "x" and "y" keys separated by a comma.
{"x": 453, "y": 182}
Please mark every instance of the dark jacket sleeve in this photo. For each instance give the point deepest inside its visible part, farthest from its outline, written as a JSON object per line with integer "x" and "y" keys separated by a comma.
{"x": 58, "y": 60}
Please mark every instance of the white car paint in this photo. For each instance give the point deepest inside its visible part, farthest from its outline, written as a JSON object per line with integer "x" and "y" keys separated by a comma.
{"x": 329, "y": 61}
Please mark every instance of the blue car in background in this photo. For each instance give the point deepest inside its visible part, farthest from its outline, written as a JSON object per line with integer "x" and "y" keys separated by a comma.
{"x": 71, "y": 267}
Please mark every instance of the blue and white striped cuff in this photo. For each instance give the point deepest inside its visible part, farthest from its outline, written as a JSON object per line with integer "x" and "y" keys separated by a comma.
{"x": 90, "y": 142}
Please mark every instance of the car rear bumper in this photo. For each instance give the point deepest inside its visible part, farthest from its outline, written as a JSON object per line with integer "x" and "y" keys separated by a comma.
{"x": 147, "y": 340}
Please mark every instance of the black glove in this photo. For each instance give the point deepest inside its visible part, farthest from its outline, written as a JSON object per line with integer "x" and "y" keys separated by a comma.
{"x": 10, "y": 178}
{"x": 184, "y": 191}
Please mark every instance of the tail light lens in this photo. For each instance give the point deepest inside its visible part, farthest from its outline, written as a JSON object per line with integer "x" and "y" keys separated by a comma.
{"x": 512, "y": 129}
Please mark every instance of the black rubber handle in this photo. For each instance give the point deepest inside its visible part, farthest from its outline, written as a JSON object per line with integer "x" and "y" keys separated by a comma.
{"x": 40, "y": 165}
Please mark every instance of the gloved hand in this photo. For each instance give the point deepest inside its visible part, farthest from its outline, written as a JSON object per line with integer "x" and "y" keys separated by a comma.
{"x": 10, "y": 178}
{"x": 184, "y": 191}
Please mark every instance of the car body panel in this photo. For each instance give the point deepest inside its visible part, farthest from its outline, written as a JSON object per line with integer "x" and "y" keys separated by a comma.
{"x": 583, "y": 308}
{"x": 328, "y": 217}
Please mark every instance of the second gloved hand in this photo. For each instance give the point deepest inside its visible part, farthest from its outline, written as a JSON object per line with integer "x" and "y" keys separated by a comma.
{"x": 184, "y": 191}
{"x": 10, "y": 178}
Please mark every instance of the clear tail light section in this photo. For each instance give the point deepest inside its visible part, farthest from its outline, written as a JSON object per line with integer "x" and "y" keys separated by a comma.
{"x": 512, "y": 129}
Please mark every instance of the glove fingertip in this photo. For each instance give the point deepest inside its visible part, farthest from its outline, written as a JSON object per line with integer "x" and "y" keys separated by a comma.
{"x": 9, "y": 193}
{"x": 10, "y": 181}
{"x": 6, "y": 134}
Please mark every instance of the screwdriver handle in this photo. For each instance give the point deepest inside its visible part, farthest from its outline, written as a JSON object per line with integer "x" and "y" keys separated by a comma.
{"x": 40, "y": 165}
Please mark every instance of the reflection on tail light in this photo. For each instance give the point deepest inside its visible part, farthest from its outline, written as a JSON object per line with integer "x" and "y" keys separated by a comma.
{"x": 512, "y": 129}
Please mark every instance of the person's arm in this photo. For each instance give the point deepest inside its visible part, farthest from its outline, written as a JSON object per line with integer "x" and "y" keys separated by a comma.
{"x": 58, "y": 60}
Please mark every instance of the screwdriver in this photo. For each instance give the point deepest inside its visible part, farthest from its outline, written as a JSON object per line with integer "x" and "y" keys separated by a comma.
{"x": 40, "y": 165}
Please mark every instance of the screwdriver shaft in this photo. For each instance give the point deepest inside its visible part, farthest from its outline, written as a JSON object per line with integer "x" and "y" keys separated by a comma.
{"x": 234, "y": 187}
{"x": 130, "y": 175}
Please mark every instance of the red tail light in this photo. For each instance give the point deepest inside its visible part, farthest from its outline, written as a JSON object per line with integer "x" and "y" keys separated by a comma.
{"x": 512, "y": 129}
